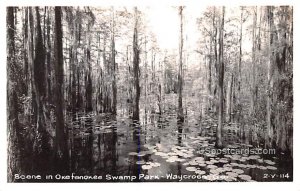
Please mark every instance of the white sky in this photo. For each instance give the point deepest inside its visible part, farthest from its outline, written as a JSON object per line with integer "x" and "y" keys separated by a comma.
{"x": 164, "y": 21}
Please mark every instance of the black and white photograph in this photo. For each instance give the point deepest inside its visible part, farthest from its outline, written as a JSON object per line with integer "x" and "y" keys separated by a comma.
{"x": 174, "y": 93}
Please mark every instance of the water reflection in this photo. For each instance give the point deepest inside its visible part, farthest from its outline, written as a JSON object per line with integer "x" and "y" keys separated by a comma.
{"x": 116, "y": 145}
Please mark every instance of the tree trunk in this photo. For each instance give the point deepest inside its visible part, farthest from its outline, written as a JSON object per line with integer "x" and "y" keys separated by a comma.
{"x": 48, "y": 60}
{"x": 61, "y": 144}
{"x": 25, "y": 42}
{"x": 146, "y": 81}
{"x": 229, "y": 98}
{"x": 180, "y": 116}
{"x": 220, "y": 81}
{"x": 216, "y": 61}
{"x": 269, "y": 134}
{"x": 253, "y": 74}
{"x": 41, "y": 142}
{"x": 136, "y": 61}
{"x": 12, "y": 99}
{"x": 113, "y": 62}
{"x": 89, "y": 86}
{"x": 239, "y": 76}
{"x": 210, "y": 72}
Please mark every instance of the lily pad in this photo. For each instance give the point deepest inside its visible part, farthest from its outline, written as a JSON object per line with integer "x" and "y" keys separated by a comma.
{"x": 227, "y": 168}
{"x": 210, "y": 177}
{"x": 235, "y": 157}
{"x": 271, "y": 167}
{"x": 262, "y": 167}
{"x": 141, "y": 154}
{"x": 140, "y": 162}
{"x": 245, "y": 177}
{"x": 170, "y": 160}
{"x": 155, "y": 164}
{"x": 242, "y": 160}
{"x": 209, "y": 162}
{"x": 188, "y": 155}
{"x": 251, "y": 166}
{"x": 200, "y": 172}
{"x": 243, "y": 166}
{"x": 210, "y": 155}
{"x": 172, "y": 154}
{"x": 148, "y": 152}
{"x": 227, "y": 165}
{"x": 232, "y": 174}
{"x": 193, "y": 163}
{"x": 161, "y": 154}
{"x": 254, "y": 157}
{"x": 214, "y": 171}
{"x": 269, "y": 162}
{"x": 132, "y": 153}
{"x": 220, "y": 170}
{"x": 146, "y": 167}
{"x": 230, "y": 179}
{"x": 154, "y": 150}
{"x": 180, "y": 159}
{"x": 211, "y": 166}
{"x": 238, "y": 171}
{"x": 260, "y": 160}
{"x": 198, "y": 159}
{"x": 180, "y": 154}
{"x": 223, "y": 161}
{"x": 191, "y": 168}
{"x": 214, "y": 161}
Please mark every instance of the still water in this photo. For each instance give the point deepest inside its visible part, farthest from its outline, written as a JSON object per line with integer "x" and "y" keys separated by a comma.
{"x": 157, "y": 148}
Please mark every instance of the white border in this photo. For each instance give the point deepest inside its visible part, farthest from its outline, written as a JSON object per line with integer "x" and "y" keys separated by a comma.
{"x": 295, "y": 185}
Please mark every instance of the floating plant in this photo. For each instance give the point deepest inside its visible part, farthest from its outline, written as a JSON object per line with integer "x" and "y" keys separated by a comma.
{"x": 132, "y": 153}
{"x": 232, "y": 174}
{"x": 146, "y": 167}
{"x": 200, "y": 172}
{"x": 238, "y": 171}
{"x": 191, "y": 168}
{"x": 269, "y": 162}
{"x": 271, "y": 167}
{"x": 140, "y": 162}
{"x": 211, "y": 166}
{"x": 245, "y": 177}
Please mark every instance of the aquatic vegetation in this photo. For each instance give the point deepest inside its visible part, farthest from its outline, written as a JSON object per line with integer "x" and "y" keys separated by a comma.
{"x": 232, "y": 174}
{"x": 200, "y": 172}
{"x": 271, "y": 167}
{"x": 238, "y": 171}
{"x": 269, "y": 162}
{"x": 214, "y": 171}
{"x": 140, "y": 162}
{"x": 245, "y": 177}
{"x": 211, "y": 166}
{"x": 132, "y": 153}
{"x": 191, "y": 168}
{"x": 146, "y": 167}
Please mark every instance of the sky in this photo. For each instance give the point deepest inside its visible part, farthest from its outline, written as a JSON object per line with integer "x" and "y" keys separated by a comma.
{"x": 165, "y": 23}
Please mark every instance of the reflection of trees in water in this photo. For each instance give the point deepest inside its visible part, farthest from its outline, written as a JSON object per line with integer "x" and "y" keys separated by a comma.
{"x": 111, "y": 157}
{"x": 102, "y": 158}
{"x": 179, "y": 142}
{"x": 136, "y": 169}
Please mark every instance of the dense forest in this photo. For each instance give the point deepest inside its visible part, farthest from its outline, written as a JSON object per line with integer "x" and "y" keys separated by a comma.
{"x": 91, "y": 91}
